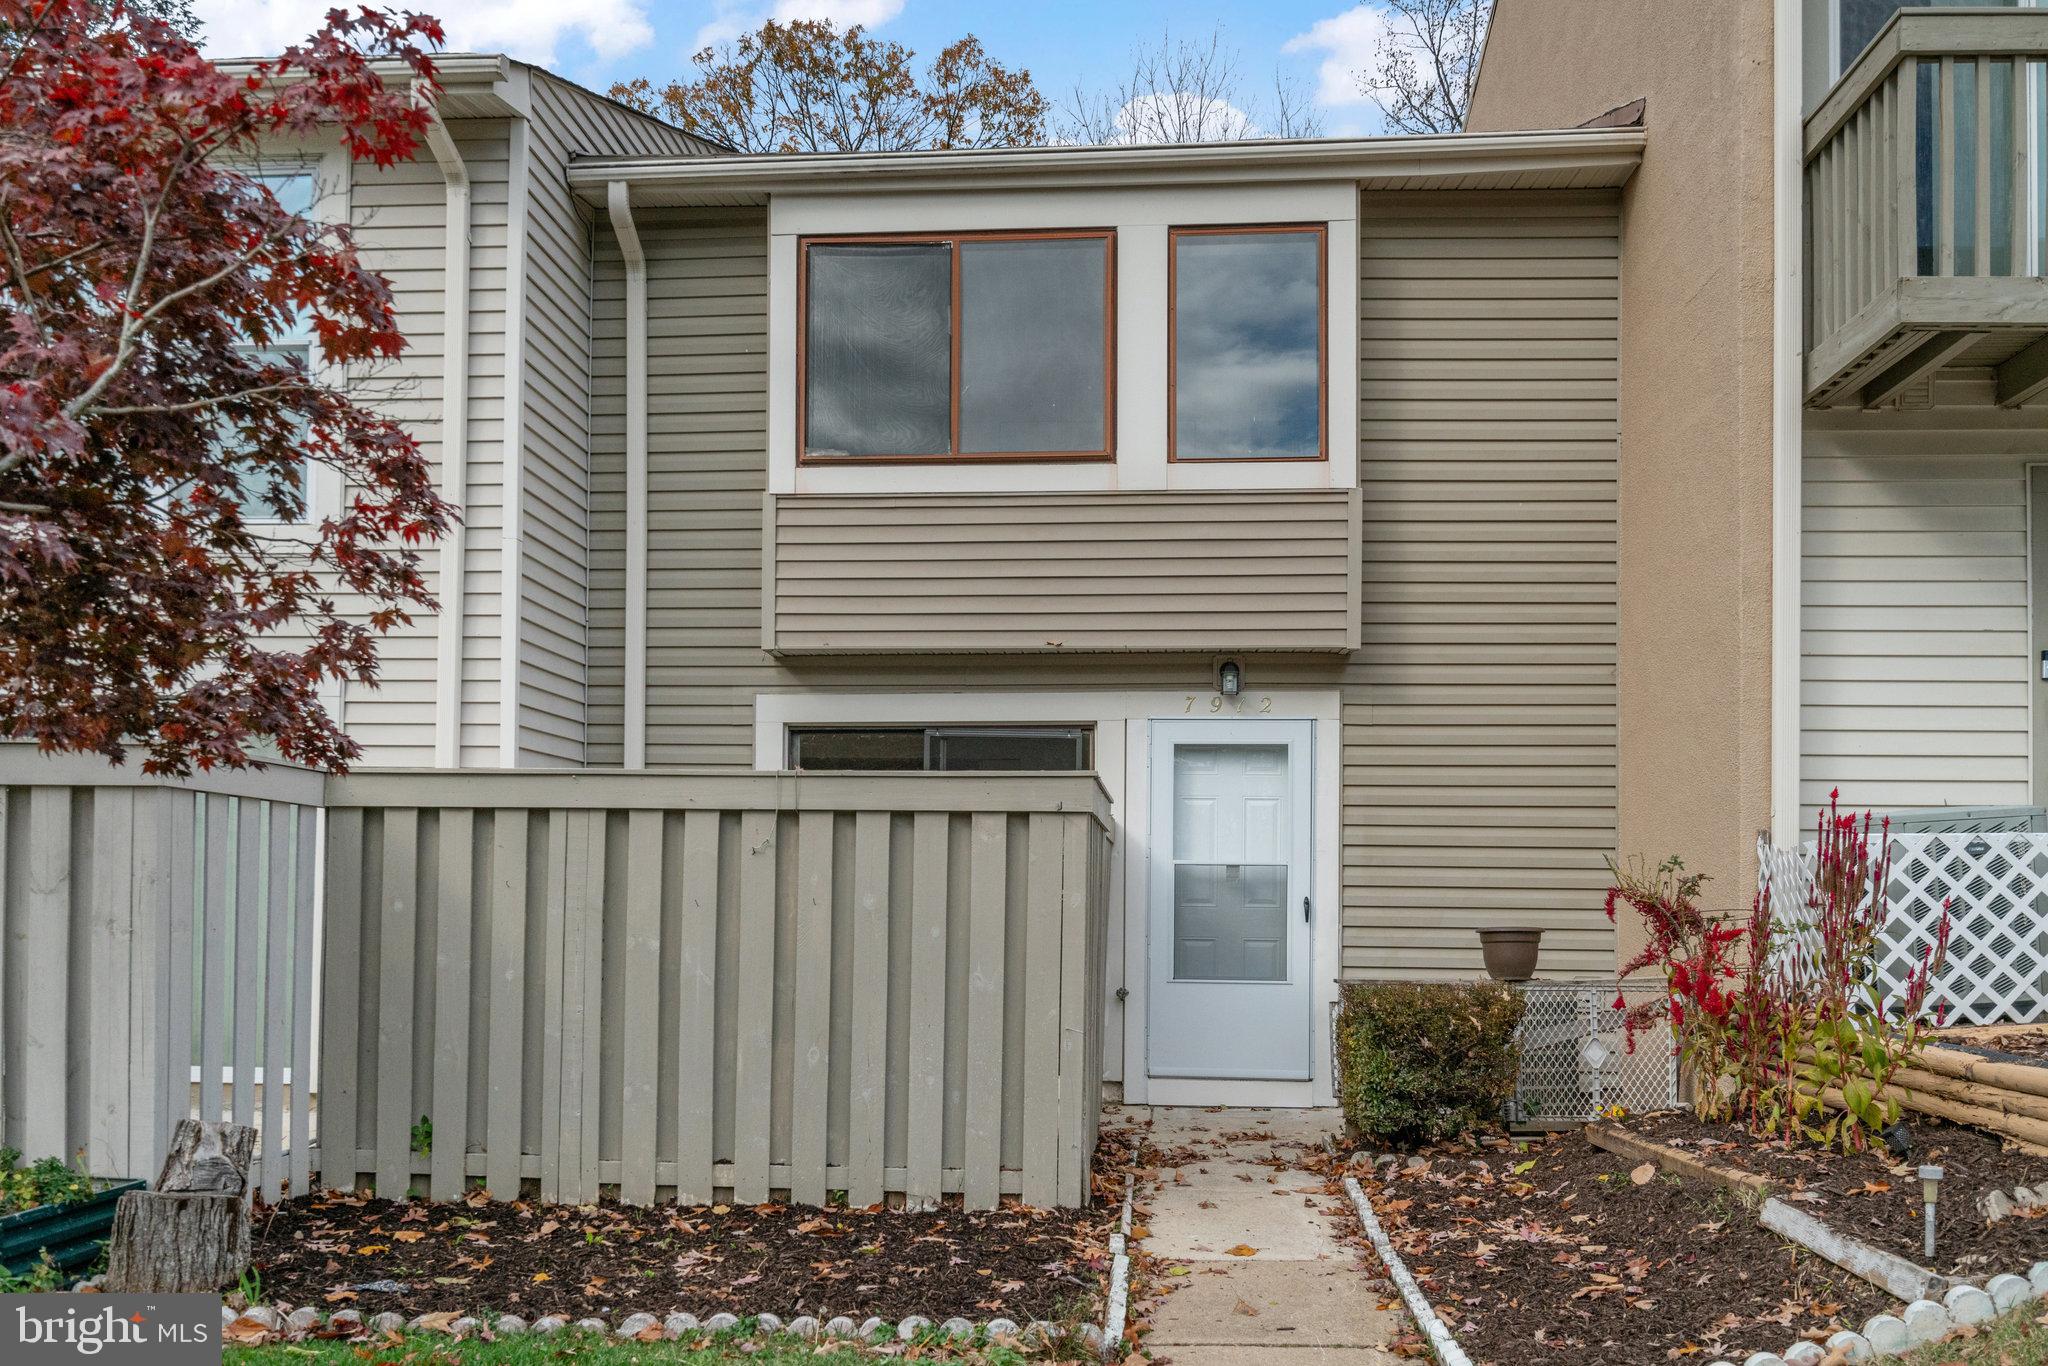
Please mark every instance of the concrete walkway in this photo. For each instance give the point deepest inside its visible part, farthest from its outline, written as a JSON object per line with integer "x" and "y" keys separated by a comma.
{"x": 1302, "y": 1297}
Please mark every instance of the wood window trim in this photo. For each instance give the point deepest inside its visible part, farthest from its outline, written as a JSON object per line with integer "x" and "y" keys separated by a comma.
{"x": 1321, "y": 232}
{"x": 1107, "y": 455}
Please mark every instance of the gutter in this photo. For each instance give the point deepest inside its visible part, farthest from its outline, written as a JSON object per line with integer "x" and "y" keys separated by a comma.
{"x": 1616, "y": 151}
{"x": 454, "y": 439}
{"x": 621, "y": 209}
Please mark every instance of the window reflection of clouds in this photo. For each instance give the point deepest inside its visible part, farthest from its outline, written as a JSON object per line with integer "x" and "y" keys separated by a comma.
{"x": 1247, "y": 316}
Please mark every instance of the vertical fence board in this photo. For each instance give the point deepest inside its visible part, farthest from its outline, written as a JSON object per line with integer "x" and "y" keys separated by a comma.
{"x": 753, "y": 1076}
{"x": 112, "y": 923}
{"x": 929, "y": 834}
{"x": 455, "y": 849}
{"x": 556, "y": 970}
{"x": 868, "y": 1097}
{"x": 277, "y": 1020}
{"x": 503, "y": 1146}
{"x": 45, "y": 937}
{"x": 697, "y": 1004}
{"x": 591, "y": 1036}
{"x": 211, "y": 1009}
{"x": 397, "y": 945}
{"x": 812, "y": 969}
{"x": 248, "y": 916}
{"x": 644, "y": 873}
{"x": 989, "y": 872}
{"x": 1078, "y": 1092}
{"x": 149, "y": 966}
{"x": 1042, "y": 1013}
{"x": 341, "y": 996}
{"x": 179, "y": 983}
{"x": 568, "y": 1096}
{"x": 306, "y": 922}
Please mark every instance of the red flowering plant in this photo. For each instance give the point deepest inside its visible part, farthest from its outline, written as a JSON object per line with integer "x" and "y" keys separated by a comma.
{"x": 1784, "y": 1028}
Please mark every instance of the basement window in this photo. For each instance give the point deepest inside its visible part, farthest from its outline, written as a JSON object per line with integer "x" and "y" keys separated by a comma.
{"x": 942, "y": 749}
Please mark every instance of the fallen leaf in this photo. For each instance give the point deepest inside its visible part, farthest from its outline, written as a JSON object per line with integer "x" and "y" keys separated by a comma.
{"x": 1242, "y": 1250}
{"x": 408, "y": 1235}
{"x": 1643, "y": 1174}
{"x": 246, "y": 1330}
{"x": 540, "y": 1276}
{"x": 1248, "y": 1310}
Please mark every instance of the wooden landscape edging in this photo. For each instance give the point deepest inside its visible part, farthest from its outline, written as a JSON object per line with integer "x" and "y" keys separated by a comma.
{"x": 1751, "y": 1187}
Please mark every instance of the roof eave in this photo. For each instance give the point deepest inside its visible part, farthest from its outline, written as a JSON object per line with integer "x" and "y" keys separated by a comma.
{"x": 1604, "y": 156}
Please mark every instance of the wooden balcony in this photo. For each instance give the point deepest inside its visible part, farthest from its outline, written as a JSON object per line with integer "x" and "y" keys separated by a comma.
{"x": 1924, "y": 210}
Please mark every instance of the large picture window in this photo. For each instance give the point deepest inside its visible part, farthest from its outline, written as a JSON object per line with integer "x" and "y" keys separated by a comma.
{"x": 1246, "y": 340}
{"x": 983, "y": 346}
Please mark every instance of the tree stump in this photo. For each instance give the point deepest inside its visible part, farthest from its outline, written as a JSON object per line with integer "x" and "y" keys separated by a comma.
{"x": 190, "y": 1234}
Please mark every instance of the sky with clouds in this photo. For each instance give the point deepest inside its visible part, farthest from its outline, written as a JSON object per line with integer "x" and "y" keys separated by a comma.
{"x": 1318, "y": 44}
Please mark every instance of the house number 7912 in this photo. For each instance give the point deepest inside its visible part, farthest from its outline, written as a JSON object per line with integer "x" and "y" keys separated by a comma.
{"x": 1236, "y": 706}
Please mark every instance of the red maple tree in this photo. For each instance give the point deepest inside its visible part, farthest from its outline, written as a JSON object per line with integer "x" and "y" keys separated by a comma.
{"x": 162, "y": 584}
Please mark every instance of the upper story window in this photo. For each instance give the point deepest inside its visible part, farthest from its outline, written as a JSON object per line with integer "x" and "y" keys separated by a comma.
{"x": 1246, "y": 340}
{"x": 293, "y": 346}
{"x": 965, "y": 346}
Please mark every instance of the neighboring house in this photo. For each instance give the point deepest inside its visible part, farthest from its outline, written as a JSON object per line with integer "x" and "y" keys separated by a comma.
{"x": 1833, "y": 572}
{"x": 1275, "y": 483}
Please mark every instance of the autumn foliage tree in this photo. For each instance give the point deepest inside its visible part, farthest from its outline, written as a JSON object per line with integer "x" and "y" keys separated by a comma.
{"x": 808, "y": 86}
{"x": 161, "y": 585}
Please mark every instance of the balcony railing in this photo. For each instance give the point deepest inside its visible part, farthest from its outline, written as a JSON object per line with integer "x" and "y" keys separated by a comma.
{"x": 1924, "y": 208}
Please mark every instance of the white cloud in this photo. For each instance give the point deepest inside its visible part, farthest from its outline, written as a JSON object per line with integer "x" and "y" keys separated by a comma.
{"x": 1346, "y": 43}
{"x": 532, "y": 30}
{"x": 735, "y": 17}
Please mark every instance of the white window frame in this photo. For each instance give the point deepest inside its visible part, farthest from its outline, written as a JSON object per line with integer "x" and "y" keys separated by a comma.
{"x": 1141, "y": 217}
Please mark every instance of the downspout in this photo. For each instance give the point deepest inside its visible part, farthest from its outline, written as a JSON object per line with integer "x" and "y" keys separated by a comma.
{"x": 620, "y": 203}
{"x": 1788, "y": 363}
{"x": 454, "y": 439}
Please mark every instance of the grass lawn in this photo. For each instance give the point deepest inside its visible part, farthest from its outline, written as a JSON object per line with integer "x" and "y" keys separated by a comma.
{"x": 434, "y": 1349}
{"x": 2018, "y": 1339}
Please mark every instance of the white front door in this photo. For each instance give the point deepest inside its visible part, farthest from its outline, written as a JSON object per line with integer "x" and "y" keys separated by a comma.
{"x": 1230, "y": 916}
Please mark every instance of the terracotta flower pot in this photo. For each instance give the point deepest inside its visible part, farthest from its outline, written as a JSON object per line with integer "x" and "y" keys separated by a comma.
{"x": 1510, "y": 954}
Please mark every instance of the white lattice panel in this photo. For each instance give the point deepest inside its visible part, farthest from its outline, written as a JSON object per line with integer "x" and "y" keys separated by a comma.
{"x": 1996, "y": 886}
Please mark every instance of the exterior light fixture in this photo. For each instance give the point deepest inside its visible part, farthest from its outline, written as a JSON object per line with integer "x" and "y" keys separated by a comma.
{"x": 1229, "y": 678}
{"x": 1930, "y": 1192}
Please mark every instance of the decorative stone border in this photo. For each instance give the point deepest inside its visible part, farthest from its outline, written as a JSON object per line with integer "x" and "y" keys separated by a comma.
{"x": 1918, "y": 1324}
{"x": 1448, "y": 1352}
{"x": 1118, "y": 1306}
{"x": 289, "y": 1325}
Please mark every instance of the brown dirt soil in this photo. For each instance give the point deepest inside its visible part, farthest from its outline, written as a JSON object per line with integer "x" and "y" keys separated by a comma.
{"x": 1871, "y": 1196}
{"x": 1558, "y": 1255}
{"x": 608, "y": 1260}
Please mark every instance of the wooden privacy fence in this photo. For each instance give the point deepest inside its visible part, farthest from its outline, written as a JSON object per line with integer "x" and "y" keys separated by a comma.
{"x": 156, "y": 961}
{"x": 701, "y": 983}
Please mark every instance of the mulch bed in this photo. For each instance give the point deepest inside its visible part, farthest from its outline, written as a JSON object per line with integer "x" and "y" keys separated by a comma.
{"x": 2018, "y": 1043}
{"x": 530, "y": 1259}
{"x": 1871, "y": 1196}
{"x": 1558, "y": 1254}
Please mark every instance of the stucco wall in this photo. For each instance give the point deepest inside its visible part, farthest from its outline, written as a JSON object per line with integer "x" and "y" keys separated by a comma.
{"x": 1695, "y": 395}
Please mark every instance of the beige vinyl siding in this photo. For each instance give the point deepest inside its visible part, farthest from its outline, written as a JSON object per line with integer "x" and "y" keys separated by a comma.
{"x": 707, "y": 291}
{"x": 1914, "y": 655}
{"x": 555, "y": 398}
{"x": 1024, "y": 573}
{"x": 1480, "y": 711}
{"x": 398, "y": 216}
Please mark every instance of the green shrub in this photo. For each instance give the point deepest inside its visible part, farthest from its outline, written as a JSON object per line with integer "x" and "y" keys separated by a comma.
{"x": 1421, "y": 1061}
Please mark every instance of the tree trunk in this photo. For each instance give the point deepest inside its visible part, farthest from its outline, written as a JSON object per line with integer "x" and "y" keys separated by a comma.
{"x": 172, "y": 1242}
{"x": 190, "y": 1234}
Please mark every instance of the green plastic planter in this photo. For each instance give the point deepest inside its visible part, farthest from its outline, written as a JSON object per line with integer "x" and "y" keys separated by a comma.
{"x": 72, "y": 1233}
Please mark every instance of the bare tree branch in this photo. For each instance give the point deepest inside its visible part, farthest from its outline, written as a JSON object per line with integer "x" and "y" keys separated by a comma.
{"x": 1444, "y": 36}
{"x": 1179, "y": 92}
